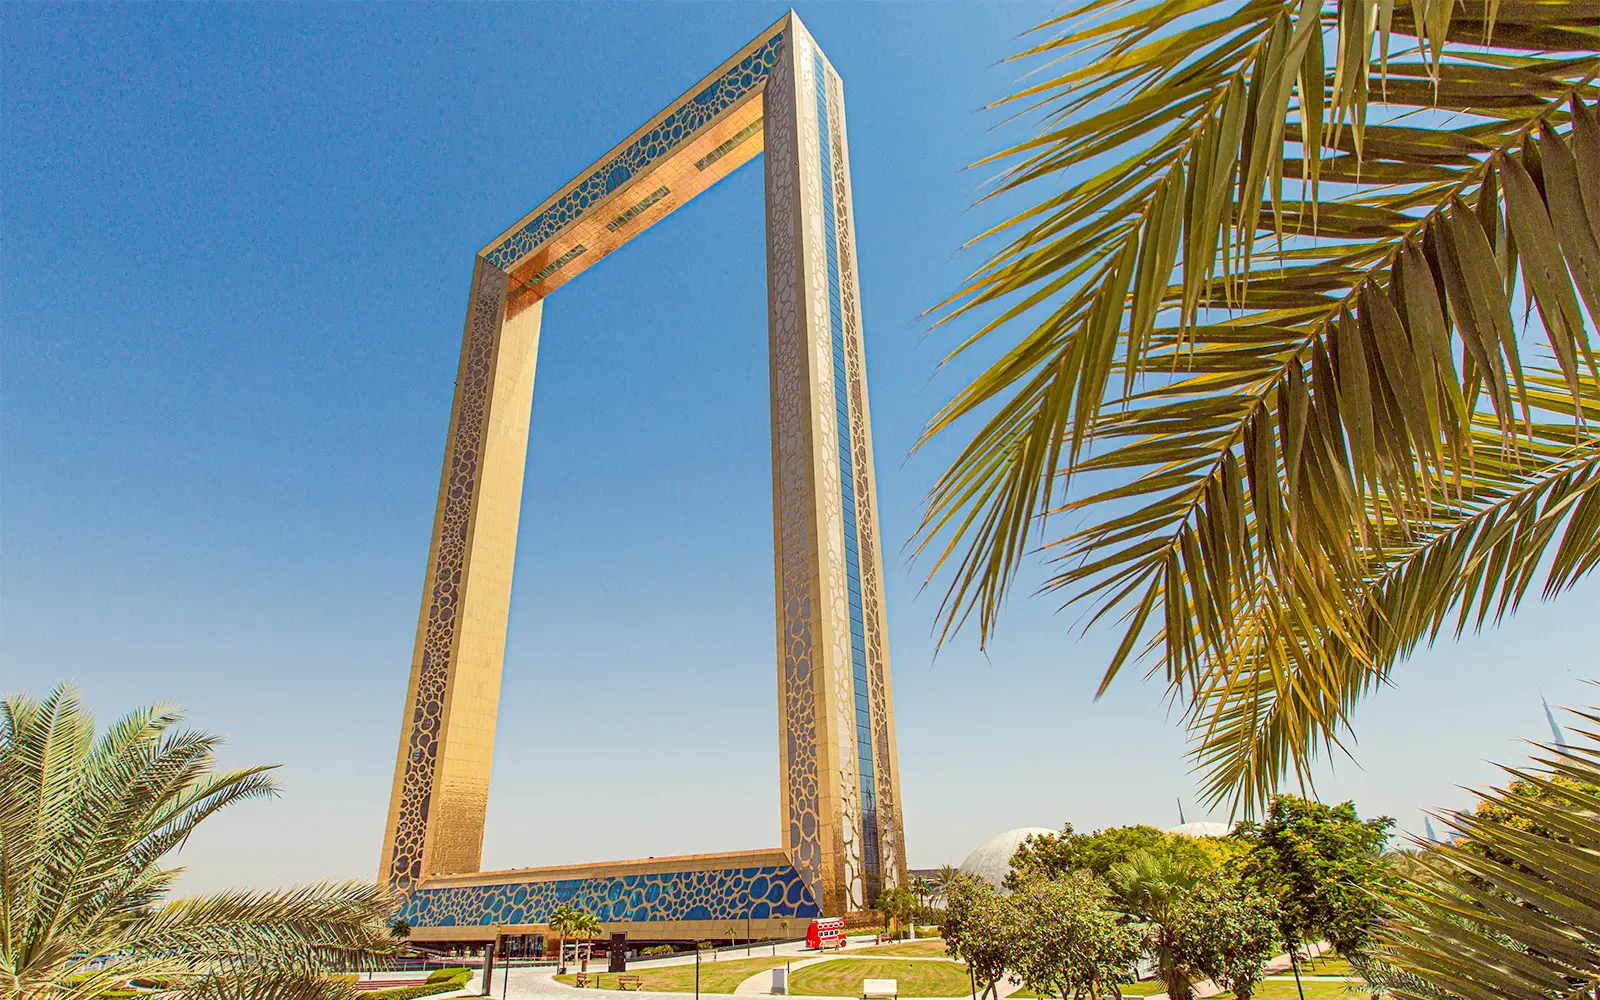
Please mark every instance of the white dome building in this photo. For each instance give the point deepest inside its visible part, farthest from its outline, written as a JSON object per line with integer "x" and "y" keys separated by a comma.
{"x": 991, "y": 860}
{"x": 1202, "y": 829}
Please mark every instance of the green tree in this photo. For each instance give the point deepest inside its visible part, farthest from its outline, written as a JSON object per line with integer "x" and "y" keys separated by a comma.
{"x": 896, "y": 905}
{"x": 563, "y": 922}
{"x": 1262, "y": 292}
{"x": 1226, "y": 929}
{"x": 1069, "y": 942}
{"x": 585, "y": 926}
{"x": 923, "y": 890}
{"x": 1324, "y": 865}
{"x": 1153, "y": 887}
{"x": 1058, "y": 854}
{"x": 980, "y": 929}
{"x": 400, "y": 929}
{"x": 85, "y": 821}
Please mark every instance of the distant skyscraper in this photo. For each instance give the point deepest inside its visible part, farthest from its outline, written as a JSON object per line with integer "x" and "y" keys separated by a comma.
{"x": 1556, "y": 732}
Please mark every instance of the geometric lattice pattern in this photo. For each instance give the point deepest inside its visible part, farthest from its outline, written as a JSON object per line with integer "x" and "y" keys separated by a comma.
{"x": 726, "y": 894}
{"x": 443, "y": 602}
{"x": 842, "y": 840}
{"x": 707, "y": 103}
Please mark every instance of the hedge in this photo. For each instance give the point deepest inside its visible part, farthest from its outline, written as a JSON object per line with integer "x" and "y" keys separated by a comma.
{"x": 440, "y": 975}
{"x": 427, "y": 989}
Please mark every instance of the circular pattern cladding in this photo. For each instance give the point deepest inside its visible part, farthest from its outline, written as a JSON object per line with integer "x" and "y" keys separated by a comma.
{"x": 427, "y": 709}
{"x": 722, "y": 894}
{"x": 748, "y": 75}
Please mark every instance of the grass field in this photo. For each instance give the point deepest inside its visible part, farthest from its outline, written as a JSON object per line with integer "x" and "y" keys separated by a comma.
{"x": 1274, "y": 989}
{"x": 1143, "y": 989}
{"x": 715, "y": 977}
{"x": 1327, "y": 967}
{"x": 926, "y": 948}
{"x": 842, "y": 977}
{"x": 1278, "y": 989}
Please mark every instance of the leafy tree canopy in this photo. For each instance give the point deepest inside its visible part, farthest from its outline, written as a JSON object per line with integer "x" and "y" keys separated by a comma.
{"x": 897, "y": 904}
{"x": 1324, "y": 866}
{"x": 1097, "y": 852}
{"x": 1069, "y": 940}
{"x": 979, "y": 928}
{"x": 1508, "y": 808}
{"x": 1226, "y": 929}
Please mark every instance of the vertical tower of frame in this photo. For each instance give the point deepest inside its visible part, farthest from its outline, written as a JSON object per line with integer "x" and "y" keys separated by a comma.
{"x": 441, "y": 778}
{"x": 841, "y": 816}
{"x": 841, "y": 824}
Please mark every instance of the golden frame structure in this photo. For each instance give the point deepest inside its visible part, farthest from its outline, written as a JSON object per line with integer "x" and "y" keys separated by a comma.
{"x": 842, "y": 836}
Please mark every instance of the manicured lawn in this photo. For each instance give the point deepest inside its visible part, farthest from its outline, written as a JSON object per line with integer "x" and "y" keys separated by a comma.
{"x": 1272, "y": 989}
{"x": 1334, "y": 966}
{"x": 926, "y": 948}
{"x": 1143, "y": 989}
{"x": 1279, "y": 989}
{"x": 715, "y": 977}
{"x": 842, "y": 978}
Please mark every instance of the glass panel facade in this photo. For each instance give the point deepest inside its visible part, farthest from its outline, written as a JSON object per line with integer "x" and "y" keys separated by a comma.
{"x": 847, "y": 489}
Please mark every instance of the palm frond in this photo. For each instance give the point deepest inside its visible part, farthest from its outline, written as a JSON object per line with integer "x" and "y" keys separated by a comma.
{"x": 255, "y": 985}
{"x": 1507, "y": 913}
{"x": 306, "y": 929}
{"x": 84, "y": 824}
{"x": 1279, "y": 318}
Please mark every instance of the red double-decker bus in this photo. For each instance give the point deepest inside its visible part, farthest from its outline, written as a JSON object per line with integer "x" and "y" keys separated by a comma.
{"x": 826, "y": 933}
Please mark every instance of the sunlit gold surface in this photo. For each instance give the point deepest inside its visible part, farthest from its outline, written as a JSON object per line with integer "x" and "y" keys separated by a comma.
{"x": 455, "y": 677}
{"x": 678, "y": 175}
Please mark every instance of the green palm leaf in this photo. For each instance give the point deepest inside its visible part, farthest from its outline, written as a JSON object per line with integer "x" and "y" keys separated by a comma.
{"x": 84, "y": 823}
{"x": 1281, "y": 317}
{"x": 1512, "y": 910}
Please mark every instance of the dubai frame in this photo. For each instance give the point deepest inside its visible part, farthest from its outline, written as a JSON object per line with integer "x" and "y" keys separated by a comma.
{"x": 842, "y": 837}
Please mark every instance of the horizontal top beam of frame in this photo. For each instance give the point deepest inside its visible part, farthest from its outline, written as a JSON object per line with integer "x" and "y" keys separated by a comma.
{"x": 694, "y": 142}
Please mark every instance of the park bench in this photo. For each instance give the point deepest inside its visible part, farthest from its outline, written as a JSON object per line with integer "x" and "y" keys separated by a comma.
{"x": 627, "y": 982}
{"x": 876, "y": 988}
{"x": 588, "y": 979}
{"x": 370, "y": 985}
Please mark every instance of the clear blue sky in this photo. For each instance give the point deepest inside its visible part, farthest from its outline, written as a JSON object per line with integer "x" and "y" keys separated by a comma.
{"x": 237, "y": 241}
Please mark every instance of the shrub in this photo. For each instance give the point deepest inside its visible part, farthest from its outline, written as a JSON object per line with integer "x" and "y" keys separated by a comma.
{"x": 439, "y": 981}
{"x": 660, "y": 949}
{"x": 422, "y": 990}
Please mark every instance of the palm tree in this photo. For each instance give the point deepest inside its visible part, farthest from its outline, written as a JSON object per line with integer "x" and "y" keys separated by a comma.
{"x": 85, "y": 821}
{"x": 586, "y": 926}
{"x": 923, "y": 889}
{"x": 1152, "y": 887}
{"x": 1265, "y": 290}
{"x": 562, "y": 921}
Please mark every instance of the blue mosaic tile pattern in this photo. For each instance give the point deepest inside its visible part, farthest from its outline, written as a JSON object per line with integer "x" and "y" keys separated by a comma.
{"x": 722, "y": 894}
{"x": 748, "y": 75}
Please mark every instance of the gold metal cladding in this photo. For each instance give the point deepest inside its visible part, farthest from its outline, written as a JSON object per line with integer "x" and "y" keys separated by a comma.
{"x": 678, "y": 174}
{"x": 434, "y": 834}
{"x": 441, "y": 786}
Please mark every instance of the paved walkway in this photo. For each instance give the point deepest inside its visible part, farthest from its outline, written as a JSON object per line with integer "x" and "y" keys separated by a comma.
{"x": 540, "y": 983}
